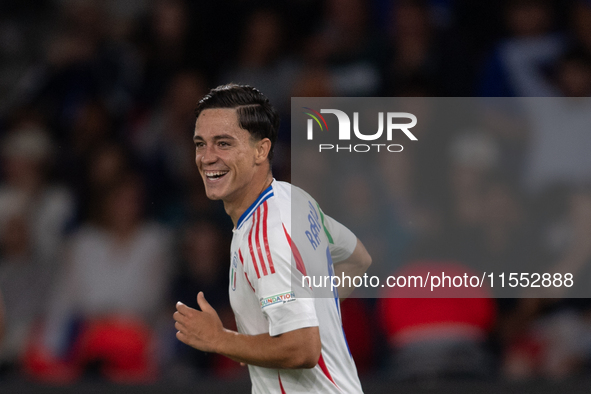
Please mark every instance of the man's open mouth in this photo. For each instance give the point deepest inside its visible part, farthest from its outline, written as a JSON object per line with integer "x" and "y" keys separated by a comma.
{"x": 213, "y": 175}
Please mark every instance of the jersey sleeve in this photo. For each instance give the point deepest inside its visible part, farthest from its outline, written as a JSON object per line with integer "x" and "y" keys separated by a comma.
{"x": 341, "y": 240}
{"x": 284, "y": 302}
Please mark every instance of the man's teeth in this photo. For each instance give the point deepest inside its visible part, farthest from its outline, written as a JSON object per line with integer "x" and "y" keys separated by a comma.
{"x": 215, "y": 174}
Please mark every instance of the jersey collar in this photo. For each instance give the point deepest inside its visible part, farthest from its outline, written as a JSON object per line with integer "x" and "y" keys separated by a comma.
{"x": 264, "y": 196}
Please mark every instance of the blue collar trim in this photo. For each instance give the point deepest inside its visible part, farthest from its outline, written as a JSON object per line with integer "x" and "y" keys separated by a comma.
{"x": 264, "y": 196}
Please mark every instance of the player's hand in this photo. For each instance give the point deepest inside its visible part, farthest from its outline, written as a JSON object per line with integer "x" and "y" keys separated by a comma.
{"x": 199, "y": 329}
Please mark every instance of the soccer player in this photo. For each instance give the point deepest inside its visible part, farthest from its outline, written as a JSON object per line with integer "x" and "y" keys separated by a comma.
{"x": 289, "y": 334}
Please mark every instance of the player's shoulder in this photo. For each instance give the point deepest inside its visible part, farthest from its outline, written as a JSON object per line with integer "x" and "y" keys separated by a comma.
{"x": 264, "y": 244}
{"x": 290, "y": 197}
{"x": 273, "y": 209}
{"x": 279, "y": 207}
{"x": 286, "y": 189}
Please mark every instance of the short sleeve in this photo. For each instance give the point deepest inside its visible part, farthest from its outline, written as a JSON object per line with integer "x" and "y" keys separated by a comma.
{"x": 285, "y": 304}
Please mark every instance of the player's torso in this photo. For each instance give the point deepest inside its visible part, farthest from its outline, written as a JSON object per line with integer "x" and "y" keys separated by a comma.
{"x": 295, "y": 214}
{"x": 244, "y": 302}
{"x": 251, "y": 243}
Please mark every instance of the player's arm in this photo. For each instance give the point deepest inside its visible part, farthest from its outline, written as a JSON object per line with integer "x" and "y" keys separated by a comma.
{"x": 203, "y": 330}
{"x": 354, "y": 265}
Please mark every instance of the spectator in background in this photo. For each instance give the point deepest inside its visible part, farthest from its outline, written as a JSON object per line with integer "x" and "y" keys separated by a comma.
{"x": 474, "y": 154}
{"x": 489, "y": 218}
{"x": 24, "y": 285}
{"x": 519, "y": 64}
{"x": 443, "y": 338}
{"x": 313, "y": 81}
{"x": 411, "y": 46}
{"x": 551, "y": 336}
{"x": 422, "y": 59}
{"x": 93, "y": 58}
{"x": 203, "y": 266}
{"x": 110, "y": 294}
{"x": 580, "y": 25}
{"x": 159, "y": 139}
{"x": 500, "y": 241}
{"x": 81, "y": 65}
{"x": 414, "y": 181}
{"x": 437, "y": 338}
{"x": 262, "y": 59}
{"x": 346, "y": 45}
{"x": 22, "y": 37}
{"x": 553, "y": 156}
{"x": 106, "y": 162}
{"x": 573, "y": 77}
{"x": 92, "y": 126}
{"x": 197, "y": 205}
{"x": 365, "y": 213}
{"x": 164, "y": 46}
{"x": 27, "y": 194}
{"x": 83, "y": 85}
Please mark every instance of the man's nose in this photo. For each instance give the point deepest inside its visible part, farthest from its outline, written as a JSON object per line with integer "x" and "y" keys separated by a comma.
{"x": 209, "y": 156}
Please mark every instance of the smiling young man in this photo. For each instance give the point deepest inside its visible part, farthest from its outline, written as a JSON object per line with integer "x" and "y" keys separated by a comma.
{"x": 289, "y": 334}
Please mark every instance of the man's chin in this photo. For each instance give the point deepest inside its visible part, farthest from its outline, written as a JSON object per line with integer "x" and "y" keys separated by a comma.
{"x": 213, "y": 195}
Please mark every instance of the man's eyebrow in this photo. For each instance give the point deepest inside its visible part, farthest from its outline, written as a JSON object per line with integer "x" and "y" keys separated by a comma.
{"x": 215, "y": 138}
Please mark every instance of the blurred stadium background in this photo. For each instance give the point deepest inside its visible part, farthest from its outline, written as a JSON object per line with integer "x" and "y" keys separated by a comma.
{"x": 104, "y": 224}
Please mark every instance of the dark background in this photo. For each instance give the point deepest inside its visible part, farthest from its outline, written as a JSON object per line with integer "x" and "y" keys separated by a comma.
{"x": 103, "y": 218}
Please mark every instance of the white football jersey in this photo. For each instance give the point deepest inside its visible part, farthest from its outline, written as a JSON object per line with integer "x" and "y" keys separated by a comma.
{"x": 266, "y": 292}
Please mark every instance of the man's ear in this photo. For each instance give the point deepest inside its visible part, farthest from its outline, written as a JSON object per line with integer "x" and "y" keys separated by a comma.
{"x": 263, "y": 148}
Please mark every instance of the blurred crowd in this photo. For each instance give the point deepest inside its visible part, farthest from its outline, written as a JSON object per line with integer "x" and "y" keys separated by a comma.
{"x": 104, "y": 223}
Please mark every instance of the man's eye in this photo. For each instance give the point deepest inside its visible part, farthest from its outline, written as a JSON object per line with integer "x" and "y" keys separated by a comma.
{"x": 199, "y": 144}
{"x": 223, "y": 143}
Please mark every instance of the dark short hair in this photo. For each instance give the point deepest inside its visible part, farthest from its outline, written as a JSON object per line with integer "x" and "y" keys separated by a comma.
{"x": 255, "y": 113}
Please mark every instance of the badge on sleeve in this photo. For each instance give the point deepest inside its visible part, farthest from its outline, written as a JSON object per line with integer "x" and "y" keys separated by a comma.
{"x": 282, "y": 298}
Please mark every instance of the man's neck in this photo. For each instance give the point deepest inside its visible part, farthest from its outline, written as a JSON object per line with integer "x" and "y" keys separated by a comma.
{"x": 235, "y": 209}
